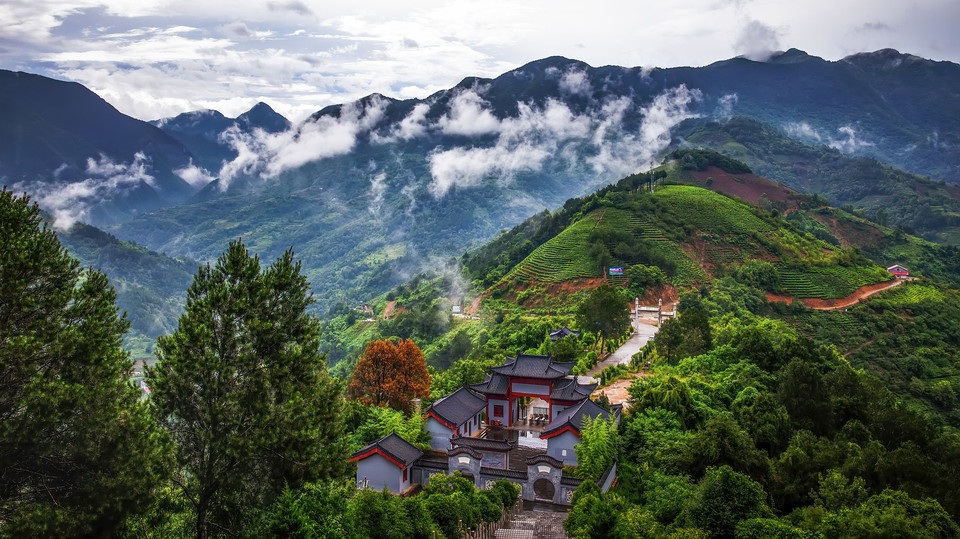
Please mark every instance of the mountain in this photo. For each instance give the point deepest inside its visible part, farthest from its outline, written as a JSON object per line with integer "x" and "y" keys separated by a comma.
{"x": 204, "y": 131}
{"x": 80, "y": 157}
{"x": 373, "y": 191}
{"x": 918, "y": 204}
{"x": 151, "y": 287}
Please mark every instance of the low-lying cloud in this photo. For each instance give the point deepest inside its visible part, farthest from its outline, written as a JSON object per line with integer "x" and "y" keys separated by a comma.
{"x": 104, "y": 180}
{"x": 268, "y": 155}
{"x": 850, "y": 140}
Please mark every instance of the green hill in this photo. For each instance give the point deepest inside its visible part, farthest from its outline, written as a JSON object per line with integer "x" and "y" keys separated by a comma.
{"x": 891, "y": 196}
{"x": 691, "y": 233}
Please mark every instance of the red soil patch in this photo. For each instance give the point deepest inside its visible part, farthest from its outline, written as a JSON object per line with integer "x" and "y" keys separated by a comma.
{"x": 618, "y": 392}
{"x": 391, "y": 309}
{"x": 827, "y": 304}
{"x": 851, "y": 232}
{"x": 475, "y": 305}
{"x": 749, "y": 187}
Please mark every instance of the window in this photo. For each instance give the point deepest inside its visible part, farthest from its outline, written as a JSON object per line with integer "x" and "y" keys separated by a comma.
{"x": 498, "y": 410}
{"x": 563, "y": 452}
{"x": 404, "y": 475}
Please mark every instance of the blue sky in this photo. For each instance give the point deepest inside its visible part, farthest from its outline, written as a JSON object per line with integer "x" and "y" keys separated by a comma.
{"x": 157, "y": 58}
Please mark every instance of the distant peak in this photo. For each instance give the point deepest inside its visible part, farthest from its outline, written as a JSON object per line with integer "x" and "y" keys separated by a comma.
{"x": 883, "y": 58}
{"x": 791, "y": 56}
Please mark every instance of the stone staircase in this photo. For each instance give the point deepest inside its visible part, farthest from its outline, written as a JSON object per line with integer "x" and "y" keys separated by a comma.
{"x": 534, "y": 525}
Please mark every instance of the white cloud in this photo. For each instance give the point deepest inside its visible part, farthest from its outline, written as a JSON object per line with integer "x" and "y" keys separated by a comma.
{"x": 576, "y": 82}
{"x": 194, "y": 175}
{"x": 801, "y": 130}
{"x": 412, "y": 126}
{"x": 725, "y": 106}
{"x": 526, "y": 141}
{"x": 756, "y": 40}
{"x": 105, "y": 179}
{"x": 378, "y": 187}
{"x": 469, "y": 116}
{"x": 268, "y": 155}
{"x": 850, "y": 141}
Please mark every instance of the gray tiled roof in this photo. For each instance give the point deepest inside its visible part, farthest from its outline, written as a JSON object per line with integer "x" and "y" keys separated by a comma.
{"x": 396, "y": 447}
{"x": 571, "y": 390}
{"x": 483, "y": 444}
{"x": 574, "y": 416}
{"x": 495, "y": 384}
{"x": 563, "y": 332}
{"x": 458, "y": 407}
{"x": 533, "y": 366}
{"x": 465, "y": 450}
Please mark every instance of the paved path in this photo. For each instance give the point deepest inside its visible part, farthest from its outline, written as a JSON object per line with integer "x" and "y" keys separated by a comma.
{"x": 644, "y": 332}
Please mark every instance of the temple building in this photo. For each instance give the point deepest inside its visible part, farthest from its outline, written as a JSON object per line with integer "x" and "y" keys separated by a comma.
{"x": 492, "y": 431}
{"x": 530, "y": 376}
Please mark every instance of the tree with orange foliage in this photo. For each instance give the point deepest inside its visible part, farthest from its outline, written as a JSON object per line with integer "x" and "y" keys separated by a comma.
{"x": 390, "y": 374}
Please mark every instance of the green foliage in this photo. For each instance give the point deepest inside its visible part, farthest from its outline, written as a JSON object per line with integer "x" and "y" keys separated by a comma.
{"x": 376, "y": 422}
{"x": 598, "y": 447}
{"x": 687, "y": 335}
{"x": 892, "y": 513}
{"x": 642, "y": 277}
{"x": 604, "y": 312}
{"x": 906, "y": 200}
{"x": 722, "y": 442}
{"x": 244, "y": 390}
{"x": 723, "y": 499}
{"x": 79, "y": 452}
{"x": 701, "y": 160}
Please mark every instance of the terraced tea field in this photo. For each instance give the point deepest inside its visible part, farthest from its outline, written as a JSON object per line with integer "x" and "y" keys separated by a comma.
{"x": 831, "y": 282}
{"x": 562, "y": 258}
{"x": 707, "y": 210}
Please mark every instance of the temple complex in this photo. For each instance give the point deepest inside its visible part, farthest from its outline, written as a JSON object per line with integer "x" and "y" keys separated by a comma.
{"x": 521, "y": 423}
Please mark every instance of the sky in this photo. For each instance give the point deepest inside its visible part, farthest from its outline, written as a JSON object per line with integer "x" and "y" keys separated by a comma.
{"x": 157, "y": 58}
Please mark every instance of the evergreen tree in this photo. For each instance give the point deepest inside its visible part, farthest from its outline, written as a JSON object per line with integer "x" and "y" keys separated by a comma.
{"x": 244, "y": 390}
{"x": 605, "y": 313}
{"x": 78, "y": 450}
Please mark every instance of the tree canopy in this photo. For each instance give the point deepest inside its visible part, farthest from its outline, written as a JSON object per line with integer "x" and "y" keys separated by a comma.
{"x": 244, "y": 391}
{"x": 605, "y": 313}
{"x": 78, "y": 450}
{"x": 391, "y": 375}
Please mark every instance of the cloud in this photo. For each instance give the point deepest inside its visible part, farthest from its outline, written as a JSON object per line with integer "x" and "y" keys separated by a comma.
{"x": 851, "y": 141}
{"x": 412, "y": 126}
{"x": 105, "y": 180}
{"x": 378, "y": 187}
{"x": 194, "y": 175}
{"x": 469, "y": 116}
{"x": 576, "y": 82}
{"x": 801, "y": 130}
{"x": 725, "y": 105}
{"x": 267, "y": 155}
{"x": 241, "y": 30}
{"x": 296, "y": 6}
{"x": 622, "y": 152}
{"x": 525, "y": 142}
{"x": 756, "y": 41}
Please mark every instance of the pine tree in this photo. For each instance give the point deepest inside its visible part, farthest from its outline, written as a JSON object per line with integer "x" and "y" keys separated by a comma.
{"x": 244, "y": 390}
{"x": 78, "y": 449}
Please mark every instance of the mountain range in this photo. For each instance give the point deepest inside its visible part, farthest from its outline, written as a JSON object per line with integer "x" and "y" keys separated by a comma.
{"x": 371, "y": 192}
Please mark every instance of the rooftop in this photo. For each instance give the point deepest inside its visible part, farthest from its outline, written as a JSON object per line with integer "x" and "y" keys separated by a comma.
{"x": 393, "y": 447}
{"x": 574, "y": 416}
{"x": 458, "y": 407}
{"x": 534, "y": 366}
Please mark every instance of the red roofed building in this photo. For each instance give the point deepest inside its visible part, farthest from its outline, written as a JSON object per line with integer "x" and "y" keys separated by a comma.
{"x": 899, "y": 271}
